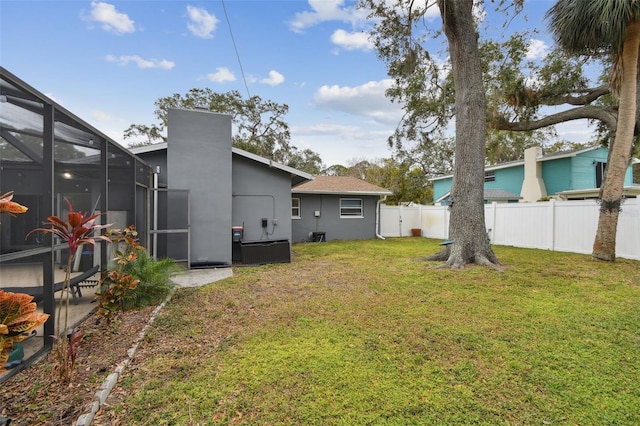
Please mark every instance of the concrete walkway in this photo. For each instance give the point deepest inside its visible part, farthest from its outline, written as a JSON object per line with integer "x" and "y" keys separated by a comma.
{"x": 200, "y": 277}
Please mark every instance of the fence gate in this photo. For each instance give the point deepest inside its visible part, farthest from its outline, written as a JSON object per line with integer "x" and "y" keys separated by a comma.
{"x": 171, "y": 225}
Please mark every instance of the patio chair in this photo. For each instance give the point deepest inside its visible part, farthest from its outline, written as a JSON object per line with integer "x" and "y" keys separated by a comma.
{"x": 75, "y": 284}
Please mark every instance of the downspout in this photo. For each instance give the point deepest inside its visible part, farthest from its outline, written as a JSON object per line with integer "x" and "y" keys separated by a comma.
{"x": 380, "y": 201}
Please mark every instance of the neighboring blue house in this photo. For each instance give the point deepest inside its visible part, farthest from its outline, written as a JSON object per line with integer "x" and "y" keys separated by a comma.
{"x": 565, "y": 175}
{"x": 335, "y": 208}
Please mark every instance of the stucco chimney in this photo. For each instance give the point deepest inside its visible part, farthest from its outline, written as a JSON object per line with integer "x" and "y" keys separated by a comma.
{"x": 533, "y": 186}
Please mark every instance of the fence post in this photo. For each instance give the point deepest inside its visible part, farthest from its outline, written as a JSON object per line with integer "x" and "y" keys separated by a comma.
{"x": 492, "y": 221}
{"x": 552, "y": 224}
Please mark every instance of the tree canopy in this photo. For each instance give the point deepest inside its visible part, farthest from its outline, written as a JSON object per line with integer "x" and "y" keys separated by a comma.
{"x": 259, "y": 125}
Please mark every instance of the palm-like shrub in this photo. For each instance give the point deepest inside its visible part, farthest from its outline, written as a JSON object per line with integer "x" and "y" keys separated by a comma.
{"x": 154, "y": 276}
{"x": 137, "y": 280}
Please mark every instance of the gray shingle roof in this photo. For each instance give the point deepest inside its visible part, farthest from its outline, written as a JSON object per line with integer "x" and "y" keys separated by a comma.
{"x": 339, "y": 185}
{"x": 500, "y": 194}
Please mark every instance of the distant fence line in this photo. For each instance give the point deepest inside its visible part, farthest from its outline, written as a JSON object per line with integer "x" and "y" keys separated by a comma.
{"x": 568, "y": 226}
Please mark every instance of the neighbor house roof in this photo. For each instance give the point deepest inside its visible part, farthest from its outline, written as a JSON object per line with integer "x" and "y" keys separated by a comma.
{"x": 627, "y": 191}
{"x": 344, "y": 185}
{"x": 490, "y": 194}
{"x": 237, "y": 151}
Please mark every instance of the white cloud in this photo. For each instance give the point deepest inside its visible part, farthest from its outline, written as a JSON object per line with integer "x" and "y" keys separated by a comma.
{"x": 325, "y": 10}
{"x": 537, "y": 49}
{"x": 274, "y": 79}
{"x": 202, "y": 24}
{"x": 324, "y": 129}
{"x": 102, "y": 116}
{"x": 111, "y": 20}
{"x": 54, "y": 99}
{"x": 140, "y": 62}
{"x": 352, "y": 41}
{"x": 337, "y": 143}
{"x": 221, "y": 75}
{"x": 365, "y": 100}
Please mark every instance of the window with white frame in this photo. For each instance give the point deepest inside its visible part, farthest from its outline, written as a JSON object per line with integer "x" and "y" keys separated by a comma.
{"x": 351, "y": 207}
{"x": 295, "y": 208}
{"x": 490, "y": 176}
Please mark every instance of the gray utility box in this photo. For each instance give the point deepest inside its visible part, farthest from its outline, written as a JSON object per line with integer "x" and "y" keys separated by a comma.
{"x": 259, "y": 252}
{"x": 236, "y": 240}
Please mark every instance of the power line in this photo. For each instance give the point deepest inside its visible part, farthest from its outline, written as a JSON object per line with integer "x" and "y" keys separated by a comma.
{"x": 235, "y": 48}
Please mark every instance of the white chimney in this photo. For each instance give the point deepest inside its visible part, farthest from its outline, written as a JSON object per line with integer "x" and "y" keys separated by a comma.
{"x": 533, "y": 186}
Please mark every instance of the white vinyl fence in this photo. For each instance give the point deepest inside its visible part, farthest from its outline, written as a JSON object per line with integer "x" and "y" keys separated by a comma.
{"x": 568, "y": 226}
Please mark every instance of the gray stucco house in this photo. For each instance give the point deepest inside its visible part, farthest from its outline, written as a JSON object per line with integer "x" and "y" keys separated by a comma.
{"x": 335, "y": 208}
{"x": 218, "y": 205}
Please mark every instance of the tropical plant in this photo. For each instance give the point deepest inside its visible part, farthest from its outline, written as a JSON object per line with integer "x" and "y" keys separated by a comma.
{"x": 591, "y": 27}
{"x": 79, "y": 229}
{"x": 18, "y": 317}
{"x": 17, "y": 311}
{"x": 116, "y": 283}
{"x": 138, "y": 279}
{"x": 7, "y": 206}
{"x": 154, "y": 280}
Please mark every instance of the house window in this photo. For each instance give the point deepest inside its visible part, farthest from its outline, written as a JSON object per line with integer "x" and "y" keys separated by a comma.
{"x": 351, "y": 207}
{"x": 600, "y": 166}
{"x": 295, "y": 208}
{"x": 490, "y": 176}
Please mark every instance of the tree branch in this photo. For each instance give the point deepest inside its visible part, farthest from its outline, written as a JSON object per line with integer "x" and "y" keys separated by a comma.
{"x": 586, "y": 111}
{"x": 590, "y": 96}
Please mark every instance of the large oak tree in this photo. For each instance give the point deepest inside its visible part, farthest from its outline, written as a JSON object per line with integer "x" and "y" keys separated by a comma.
{"x": 416, "y": 74}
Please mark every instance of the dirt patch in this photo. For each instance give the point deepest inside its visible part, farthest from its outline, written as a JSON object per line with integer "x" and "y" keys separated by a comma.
{"x": 35, "y": 397}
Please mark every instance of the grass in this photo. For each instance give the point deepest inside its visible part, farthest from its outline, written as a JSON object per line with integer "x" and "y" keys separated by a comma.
{"x": 362, "y": 333}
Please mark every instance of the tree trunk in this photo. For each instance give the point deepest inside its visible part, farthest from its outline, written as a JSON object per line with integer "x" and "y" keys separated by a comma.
{"x": 604, "y": 246}
{"x": 466, "y": 227}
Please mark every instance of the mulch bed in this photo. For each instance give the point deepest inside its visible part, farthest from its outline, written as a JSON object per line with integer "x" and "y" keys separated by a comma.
{"x": 35, "y": 396}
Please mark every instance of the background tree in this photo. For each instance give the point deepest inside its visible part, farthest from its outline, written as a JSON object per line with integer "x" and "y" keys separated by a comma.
{"x": 258, "y": 125}
{"x": 407, "y": 182}
{"x": 591, "y": 27}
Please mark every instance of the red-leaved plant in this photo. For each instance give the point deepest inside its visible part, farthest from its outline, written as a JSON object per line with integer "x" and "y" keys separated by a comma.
{"x": 7, "y": 206}
{"x": 79, "y": 228}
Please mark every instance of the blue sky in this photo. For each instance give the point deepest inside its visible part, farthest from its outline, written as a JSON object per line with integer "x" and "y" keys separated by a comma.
{"x": 109, "y": 61}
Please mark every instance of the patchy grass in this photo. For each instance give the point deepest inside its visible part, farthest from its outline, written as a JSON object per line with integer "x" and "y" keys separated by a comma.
{"x": 354, "y": 333}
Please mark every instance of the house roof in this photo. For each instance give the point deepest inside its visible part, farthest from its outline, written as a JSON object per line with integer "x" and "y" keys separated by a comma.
{"x": 627, "y": 191}
{"x": 490, "y": 194}
{"x": 346, "y": 185}
{"x": 237, "y": 151}
{"x": 270, "y": 163}
{"x": 495, "y": 194}
{"x": 547, "y": 157}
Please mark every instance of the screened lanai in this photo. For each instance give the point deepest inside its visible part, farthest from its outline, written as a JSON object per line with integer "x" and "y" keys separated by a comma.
{"x": 49, "y": 155}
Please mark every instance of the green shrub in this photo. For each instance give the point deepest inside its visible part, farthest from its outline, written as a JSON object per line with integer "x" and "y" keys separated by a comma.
{"x": 154, "y": 276}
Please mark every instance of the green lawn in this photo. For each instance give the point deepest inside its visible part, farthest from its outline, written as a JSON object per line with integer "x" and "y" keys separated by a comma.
{"x": 363, "y": 333}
